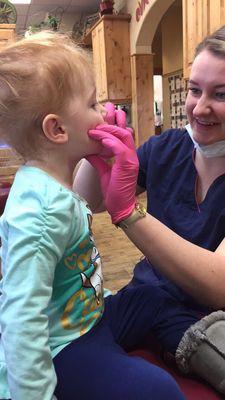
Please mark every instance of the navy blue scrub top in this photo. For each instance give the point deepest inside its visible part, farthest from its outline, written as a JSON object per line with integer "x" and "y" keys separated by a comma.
{"x": 168, "y": 174}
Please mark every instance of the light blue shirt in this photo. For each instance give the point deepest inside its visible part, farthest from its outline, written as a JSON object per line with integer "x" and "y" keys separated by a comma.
{"x": 52, "y": 284}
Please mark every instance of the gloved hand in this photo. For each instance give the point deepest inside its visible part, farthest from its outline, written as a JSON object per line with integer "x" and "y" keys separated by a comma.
{"x": 118, "y": 179}
{"x": 116, "y": 117}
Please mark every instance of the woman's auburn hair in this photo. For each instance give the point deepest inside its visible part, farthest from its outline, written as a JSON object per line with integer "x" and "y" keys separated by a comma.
{"x": 39, "y": 75}
{"x": 215, "y": 43}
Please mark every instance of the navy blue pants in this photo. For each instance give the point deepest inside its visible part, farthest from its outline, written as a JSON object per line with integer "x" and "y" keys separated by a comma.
{"x": 97, "y": 367}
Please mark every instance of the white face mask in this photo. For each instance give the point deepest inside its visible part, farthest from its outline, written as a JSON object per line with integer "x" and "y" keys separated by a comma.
{"x": 210, "y": 150}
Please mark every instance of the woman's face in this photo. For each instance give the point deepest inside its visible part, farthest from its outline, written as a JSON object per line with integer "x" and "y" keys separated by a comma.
{"x": 205, "y": 103}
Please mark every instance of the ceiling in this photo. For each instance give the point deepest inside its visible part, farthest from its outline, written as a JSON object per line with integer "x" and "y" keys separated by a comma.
{"x": 29, "y": 14}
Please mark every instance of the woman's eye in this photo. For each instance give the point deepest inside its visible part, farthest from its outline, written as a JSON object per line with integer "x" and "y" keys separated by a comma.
{"x": 220, "y": 95}
{"x": 194, "y": 91}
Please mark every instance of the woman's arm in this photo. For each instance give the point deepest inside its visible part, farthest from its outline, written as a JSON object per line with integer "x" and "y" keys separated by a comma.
{"x": 199, "y": 272}
{"x": 87, "y": 185}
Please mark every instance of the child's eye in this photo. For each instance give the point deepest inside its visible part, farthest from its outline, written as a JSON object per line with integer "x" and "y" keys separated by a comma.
{"x": 94, "y": 105}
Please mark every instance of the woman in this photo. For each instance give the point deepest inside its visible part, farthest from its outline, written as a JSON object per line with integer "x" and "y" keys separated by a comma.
{"x": 182, "y": 235}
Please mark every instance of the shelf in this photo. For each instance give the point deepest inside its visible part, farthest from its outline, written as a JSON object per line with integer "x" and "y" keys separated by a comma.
{"x": 87, "y": 38}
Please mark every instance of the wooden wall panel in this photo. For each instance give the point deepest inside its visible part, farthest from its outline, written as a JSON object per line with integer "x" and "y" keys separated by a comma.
{"x": 99, "y": 58}
{"x": 200, "y": 18}
{"x": 142, "y": 95}
{"x": 111, "y": 54}
{"x": 117, "y": 38}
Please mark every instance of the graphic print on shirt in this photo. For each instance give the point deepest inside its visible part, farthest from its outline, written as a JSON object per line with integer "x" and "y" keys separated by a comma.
{"x": 85, "y": 306}
{"x": 95, "y": 280}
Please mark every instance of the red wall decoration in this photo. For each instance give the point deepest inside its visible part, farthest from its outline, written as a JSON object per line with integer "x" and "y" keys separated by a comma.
{"x": 140, "y": 9}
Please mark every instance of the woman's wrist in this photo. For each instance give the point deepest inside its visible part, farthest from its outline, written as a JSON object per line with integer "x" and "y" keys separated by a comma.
{"x": 139, "y": 211}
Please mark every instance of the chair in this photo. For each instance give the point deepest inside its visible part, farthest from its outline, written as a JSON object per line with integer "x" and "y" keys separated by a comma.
{"x": 193, "y": 388}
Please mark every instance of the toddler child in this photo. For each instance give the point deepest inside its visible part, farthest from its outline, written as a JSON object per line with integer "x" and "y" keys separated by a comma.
{"x": 59, "y": 337}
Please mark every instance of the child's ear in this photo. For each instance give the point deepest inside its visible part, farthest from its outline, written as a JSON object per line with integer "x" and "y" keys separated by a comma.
{"x": 54, "y": 129}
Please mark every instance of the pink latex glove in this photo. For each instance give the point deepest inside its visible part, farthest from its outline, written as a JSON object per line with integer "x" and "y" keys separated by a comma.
{"x": 118, "y": 179}
{"x": 116, "y": 117}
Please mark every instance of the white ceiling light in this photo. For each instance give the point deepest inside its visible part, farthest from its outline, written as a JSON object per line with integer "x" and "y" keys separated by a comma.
{"x": 20, "y": 1}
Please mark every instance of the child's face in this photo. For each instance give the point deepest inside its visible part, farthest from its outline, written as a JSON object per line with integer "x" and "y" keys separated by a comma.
{"x": 85, "y": 114}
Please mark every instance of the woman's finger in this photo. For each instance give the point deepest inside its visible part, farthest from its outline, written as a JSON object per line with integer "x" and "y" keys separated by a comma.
{"x": 100, "y": 133}
{"x": 111, "y": 144}
{"x": 111, "y": 113}
{"x": 98, "y": 163}
{"x": 123, "y": 134}
{"x": 121, "y": 118}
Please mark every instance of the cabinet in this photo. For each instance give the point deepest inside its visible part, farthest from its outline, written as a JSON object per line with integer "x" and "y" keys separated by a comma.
{"x": 7, "y": 32}
{"x": 200, "y": 18}
{"x": 111, "y": 57}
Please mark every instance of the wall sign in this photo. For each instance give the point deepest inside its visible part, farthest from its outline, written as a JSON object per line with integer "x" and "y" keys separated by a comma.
{"x": 140, "y": 9}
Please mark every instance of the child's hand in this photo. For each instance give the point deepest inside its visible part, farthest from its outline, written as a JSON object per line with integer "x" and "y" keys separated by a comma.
{"x": 119, "y": 180}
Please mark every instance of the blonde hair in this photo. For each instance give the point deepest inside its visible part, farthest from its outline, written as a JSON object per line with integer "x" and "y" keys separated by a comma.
{"x": 215, "y": 43}
{"x": 38, "y": 75}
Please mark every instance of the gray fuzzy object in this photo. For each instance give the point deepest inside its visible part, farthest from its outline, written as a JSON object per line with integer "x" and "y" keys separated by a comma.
{"x": 202, "y": 350}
